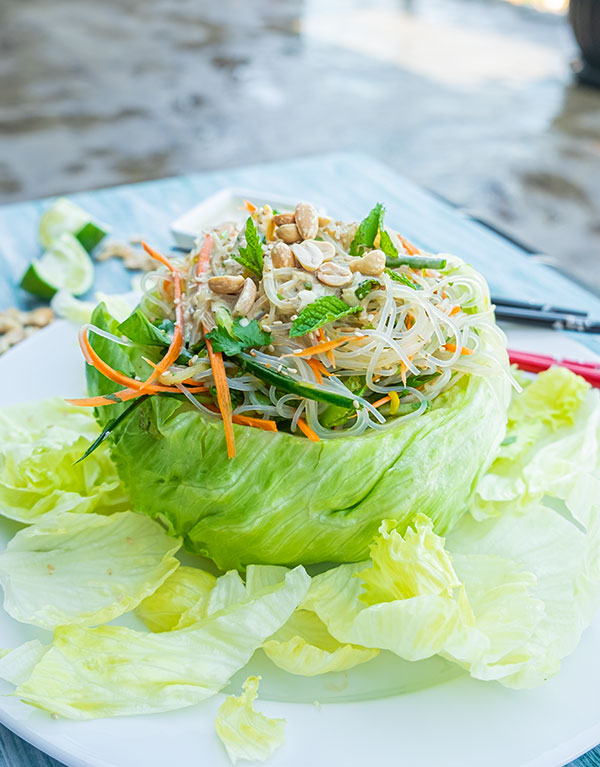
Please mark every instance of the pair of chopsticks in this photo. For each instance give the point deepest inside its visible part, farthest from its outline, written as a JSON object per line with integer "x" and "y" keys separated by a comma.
{"x": 545, "y": 315}
{"x": 535, "y": 363}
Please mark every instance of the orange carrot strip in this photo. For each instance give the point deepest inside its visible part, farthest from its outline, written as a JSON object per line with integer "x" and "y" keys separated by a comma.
{"x": 314, "y": 365}
{"x": 177, "y": 340}
{"x": 93, "y": 359}
{"x": 223, "y": 396}
{"x": 408, "y": 246}
{"x": 307, "y": 431}
{"x": 123, "y": 396}
{"x": 452, "y": 348}
{"x": 322, "y": 339}
{"x": 403, "y": 370}
{"x": 319, "y": 348}
{"x": 454, "y": 310}
{"x": 249, "y": 206}
{"x": 204, "y": 256}
{"x": 257, "y": 423}
{"x": 382, "y": 401}
{"x": 187, "y": 382}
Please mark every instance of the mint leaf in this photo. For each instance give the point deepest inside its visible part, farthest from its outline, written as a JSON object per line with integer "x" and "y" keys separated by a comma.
{"x": 367, "y": 231}
{"x": 241, "y": 337}
{"x": 251, "y": 257}
{"x": 322, "y": 311}
{"x": 365, "y": 287}
{"x": 386, "y": 244}
{"x": 399, "y": 277}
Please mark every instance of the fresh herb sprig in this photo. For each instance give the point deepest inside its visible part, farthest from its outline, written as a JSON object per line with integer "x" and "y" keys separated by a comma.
{"x": 367, "y": 231}
{"x": 240, "y": 337}
{"x": 251, "y": 256}
{"x": 321, "y": 312}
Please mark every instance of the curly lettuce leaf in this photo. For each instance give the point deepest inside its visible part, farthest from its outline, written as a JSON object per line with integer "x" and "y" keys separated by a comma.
{"x": 16, "y": 665}
{"x": 39, "y": 444}
{"x": 245, "y": 732}
{"x": 303, "y": 646}
{"x": 183, "y": 589}
{"x": 87, "y": 673}
{"x": 84, "y": 569}
{"x": 552, "y": 448}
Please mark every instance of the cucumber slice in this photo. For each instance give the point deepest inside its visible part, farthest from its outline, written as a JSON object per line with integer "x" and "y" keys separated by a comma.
{"x": 66, "y": 264}
{"x": 66, "y": 217}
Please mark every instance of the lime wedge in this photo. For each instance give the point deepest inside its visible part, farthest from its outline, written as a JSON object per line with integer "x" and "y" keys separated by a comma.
{"x": 64, "y": 216}
{"x": 65, "y": 265}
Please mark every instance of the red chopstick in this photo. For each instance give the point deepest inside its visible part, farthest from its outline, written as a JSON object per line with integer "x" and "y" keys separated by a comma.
{"x": 535, "y": 363}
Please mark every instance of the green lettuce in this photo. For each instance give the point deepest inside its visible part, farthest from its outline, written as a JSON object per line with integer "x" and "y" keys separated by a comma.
{"x": 16, "y": 665}
{"x": 303, "y": 646}
{"x": 552, "y": 449}
{"x": 286, "y": 500}
{"x": 183, "y": 589}
{"x": 115, "y": 671}
{"x": 245, "y": 732}
{"x": 39, "y": 444}
{"x": 84, "y": 568}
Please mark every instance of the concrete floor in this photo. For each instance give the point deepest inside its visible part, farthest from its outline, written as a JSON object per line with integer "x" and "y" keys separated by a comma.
{"x": 471, "y": 98}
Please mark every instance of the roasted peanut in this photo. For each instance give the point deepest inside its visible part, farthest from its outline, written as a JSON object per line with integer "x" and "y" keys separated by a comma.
{"x": 308, "y": 255}
{"x": 326, "y": 248}
{"x": 372, "y": 264}
{"x": 246, "y": 298}
{"x": 334, "y": 275}
{"x": 40, "y": 317}
{"x": 288, "y": 233}
{"x": 307, "y": 220}
{"x": 281, "y": 255}
{"x": 283, "y": 218}
{"x": 228, "y": 284}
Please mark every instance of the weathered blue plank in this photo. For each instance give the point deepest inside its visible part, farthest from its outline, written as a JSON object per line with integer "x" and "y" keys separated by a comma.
{"x": 348, "y": 186}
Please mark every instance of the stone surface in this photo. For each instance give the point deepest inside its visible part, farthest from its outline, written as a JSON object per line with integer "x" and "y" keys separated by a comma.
{"x": 472, "y": 98}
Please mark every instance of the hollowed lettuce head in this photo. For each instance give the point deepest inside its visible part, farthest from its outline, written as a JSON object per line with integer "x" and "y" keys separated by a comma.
{"x": 286, "y": 500}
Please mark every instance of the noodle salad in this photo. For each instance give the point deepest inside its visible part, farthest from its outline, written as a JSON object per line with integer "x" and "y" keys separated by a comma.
{"x": 298, "y": 323}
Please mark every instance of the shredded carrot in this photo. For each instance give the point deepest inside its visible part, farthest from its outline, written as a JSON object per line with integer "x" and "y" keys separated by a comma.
{"x": 408, "y": 246}
{"x": 249, "y": 206}
{"x": 319, "y": 348}
{"x": 382, "y": 401}
{"x": 123, "y": 395}
{"x": 187, "y": 382}
{"x": 307, "y": 431}
{"x": 315, "y": 366}
{"x": 454, "y": 310}
{"x": 403, "y": 369}
{"x": 409, "y": 321}
{"x": 93, "y": 359}
{"x": 323, "y": 339}
{"x": 257, "y": 423}
{"x": 223, "y": 396}
{"x": 177, "y": 341}
{"x": 452, "y": 348}
{"x": 204, "y": 255}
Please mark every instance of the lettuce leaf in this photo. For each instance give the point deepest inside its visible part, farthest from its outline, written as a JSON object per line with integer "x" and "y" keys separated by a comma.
{"x": 552, "y": 449}
{"x": 116, "y": 671}
{"x": 85, "y": 569}
{"x": 304, "y": 509}
{"x": 39, "y": 444}
{"x": 16, "y": 665}
{"x": 183, "y": 589}
{"x": 304, "y": 646}
{"x": 246, "y": 733}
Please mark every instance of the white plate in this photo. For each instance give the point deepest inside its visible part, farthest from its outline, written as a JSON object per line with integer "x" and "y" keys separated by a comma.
{"x": 386, "y": 711}
{"x": 225, "y": 205}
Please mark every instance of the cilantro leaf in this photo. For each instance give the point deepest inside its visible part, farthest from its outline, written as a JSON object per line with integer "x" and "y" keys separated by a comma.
{"x": 367, "y": 231}
{"x": 399, "y": 277}
{"x": 322, "y": 311}
{"x": 241, "y": 337}
{"x": 365, "y": 287}
{"x": 251, "y": 257}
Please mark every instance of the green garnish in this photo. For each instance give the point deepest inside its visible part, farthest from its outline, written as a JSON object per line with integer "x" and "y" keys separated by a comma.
{"x": 365, "y": 287}
{"x": 402, "y": 278}
{"x": 416, "y": 262}
{"x": 111, "y": 426}
{"x": 508, "y": 441}
{"x": 322, "y": 311}
{"x": 290, "y": 385}
{"x": 419, "y": 379}
{"x": 251, "y": 257}
{"x": 386, "y": 244}
{"x": 240, "y": 337}
{"x": 367, "y": 231}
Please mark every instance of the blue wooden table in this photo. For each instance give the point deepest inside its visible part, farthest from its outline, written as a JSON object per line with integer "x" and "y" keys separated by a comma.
{"x": 348, "y": 186}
